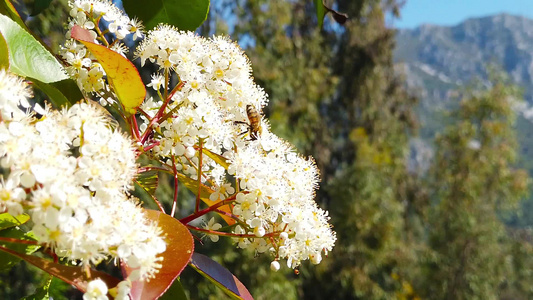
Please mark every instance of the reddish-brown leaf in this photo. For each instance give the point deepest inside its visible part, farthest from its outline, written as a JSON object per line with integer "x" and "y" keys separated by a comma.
{"x": 75, "y": 276}
{"x": 220, "y": 276}
{"x": 180, "y": 247}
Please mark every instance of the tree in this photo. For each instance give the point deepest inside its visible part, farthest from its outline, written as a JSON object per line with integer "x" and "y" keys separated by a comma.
{"x": 474, "y": 182}
{"x": 368, "y": 198}
{"x": 355, "y": 117}
{"x": 334, "y": 91}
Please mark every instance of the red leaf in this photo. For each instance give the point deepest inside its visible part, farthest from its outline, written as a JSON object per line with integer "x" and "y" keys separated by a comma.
{"x": 180, "y": 247}
{"x": 220, "y": 276}
{"x": 81, "y": 34}
{"x": 75, "y": 276}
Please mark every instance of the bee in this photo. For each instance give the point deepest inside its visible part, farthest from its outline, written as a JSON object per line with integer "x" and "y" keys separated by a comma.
{"x": 254, "y": 127}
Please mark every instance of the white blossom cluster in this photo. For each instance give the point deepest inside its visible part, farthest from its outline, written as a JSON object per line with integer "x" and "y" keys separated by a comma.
{"x": 102, "y": 19}
{"x": 277, "y": 196}
{"x": 275, "y": 186}
{"x": 217, "y": 87}
{"x": 71, "y": 170}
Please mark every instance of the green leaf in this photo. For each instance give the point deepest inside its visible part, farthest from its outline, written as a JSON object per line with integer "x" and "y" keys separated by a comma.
{"x": 76, "y": 276}
{"x": 148, "y": 181}
{"x": 57, "y": 91}
{"x": 184, "y": 14}
{"x": 61, "y": 92}
{"x": 7, "y": 9}
{"x": 58, "y": 288}
{"x": 220, "y": 276}
{"x": 7, "y": 220}
{"x": 6, "y": 260}
{"x": 41, "y": 293}
{"x": 69, "y": 88}
{"x": 4, "y": 53}
{"x": 121, "y": 73}
{"x": 219, "y": 159}
{"x": 28, "y": 58}
{"x": 175, "y": 292}
{"x": 320, "y": 12}
{"x": 39, "y": 6}
{"x": 192, "y": 185}
{"x": 177, "y": 255}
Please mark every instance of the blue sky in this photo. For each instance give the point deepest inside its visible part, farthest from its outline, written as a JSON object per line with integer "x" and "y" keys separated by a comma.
{"x": 451, "y": 12}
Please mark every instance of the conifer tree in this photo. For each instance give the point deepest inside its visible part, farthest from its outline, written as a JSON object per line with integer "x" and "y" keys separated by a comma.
{"x": 368, "y": 198}
{"x": 475, "y": 181}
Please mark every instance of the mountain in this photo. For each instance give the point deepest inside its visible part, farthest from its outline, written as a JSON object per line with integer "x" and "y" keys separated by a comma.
{"x": 438, "y": 61}
{"x": 439, "y": 58}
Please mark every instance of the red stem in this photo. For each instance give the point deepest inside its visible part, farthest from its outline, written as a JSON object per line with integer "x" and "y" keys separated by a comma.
{"x": 268, "y": 235}
{"x": 175, "y": 201}
{"x": 159, "y": 114}
{"x": 227, "y": 214}
{"x": 207, "y": 210}
{"x": 143, "y": 113}
{"x": 199, "y": 171}
{"x": 152, "y": 168}
{"x": 149, "y": 147}
{"x": 17, "y": 241}
{"x": 176, "y": 88}
{"x": 135, "y": 127}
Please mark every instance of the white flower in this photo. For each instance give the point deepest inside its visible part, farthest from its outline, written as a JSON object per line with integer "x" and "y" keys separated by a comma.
{"x": 211, "y": 225}
{"x": 274, "y": 266}
{"x": 474, "y": 144}
{"x": 96, "y": 290}
{"x": 222, "y": 192}
{"x": 123, "y": 290}
{"x": 92, "y": 80}
{"x": 208, "y": 111}
{"x": 280, "y": 188}
{"x": 157, "y": 82}
{"x": 10, "y": 197}
{"x": 137, "y": 28}
{"x": 13, "y": 93}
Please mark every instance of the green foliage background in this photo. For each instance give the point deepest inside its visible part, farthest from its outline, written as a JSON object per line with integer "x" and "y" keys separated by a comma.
{"x": 335, "y": 95}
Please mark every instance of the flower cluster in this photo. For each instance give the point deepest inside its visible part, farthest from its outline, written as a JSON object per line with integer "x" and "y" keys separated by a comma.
{"x": 277, "y": 201}
{"x": 13, "y": 95}
{"x": 94, "y": 15}
{"x": 215, "y": 109}
{"x": 215, "y": 88}
{"x": 208, "y": 128}
{"x": 70, "y": 170}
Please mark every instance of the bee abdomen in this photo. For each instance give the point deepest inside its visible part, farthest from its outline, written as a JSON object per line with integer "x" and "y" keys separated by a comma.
{"x": 255, "y": 121}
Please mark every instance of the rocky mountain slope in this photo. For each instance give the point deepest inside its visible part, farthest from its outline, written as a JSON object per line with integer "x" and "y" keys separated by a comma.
{"x": 439, "y": 58}
{"x": 438, "y": 61}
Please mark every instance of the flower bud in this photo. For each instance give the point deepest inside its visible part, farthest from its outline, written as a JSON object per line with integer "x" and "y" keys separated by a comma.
{"x": 274, "y": 266}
